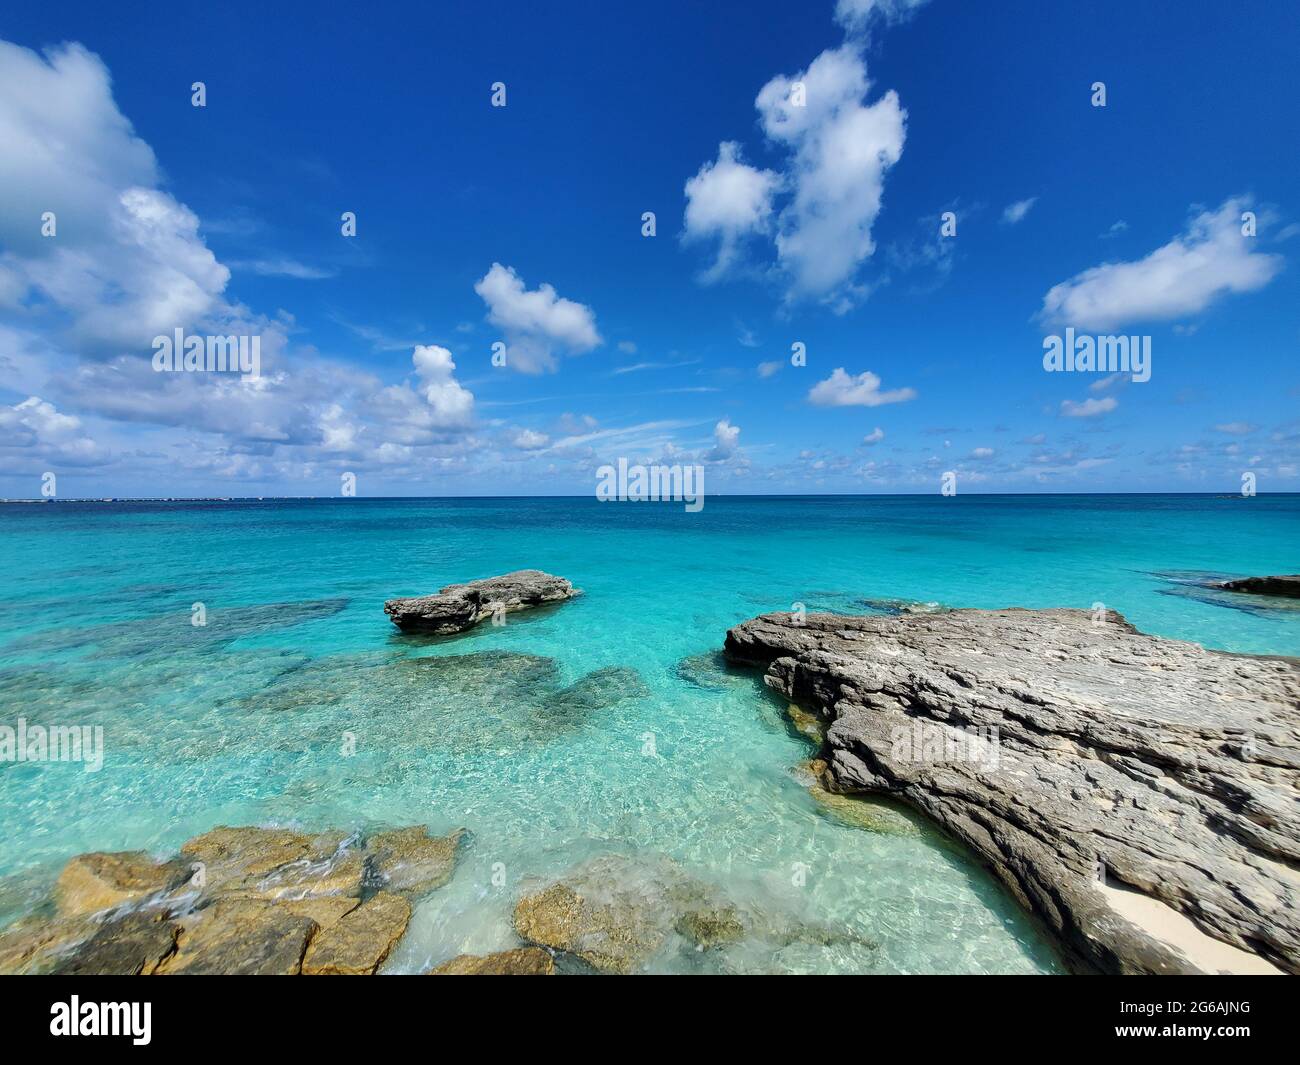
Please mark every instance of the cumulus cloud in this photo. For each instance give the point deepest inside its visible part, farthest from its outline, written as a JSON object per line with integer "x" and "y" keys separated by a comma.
{"x": 726, "y": 439}
{"x": 1089, "y": 408}
{"x": 36, "y": 428}
{"x": 1210, "y": 260}
{"x": 843, "y": 390}
{"x": 767, "y": 369}
{"x": 874, "y": 437}
{"x": 837, "y": 148}
{"x": 451, "y": 403}
{"x": 537, "y": 323}
{"x": 530, "y": 440}
{"x": 1016, "y": 212}
{"x": 841, "y": 148}
{"x": 126, "y": 262}
{"x": 727, "y": 201}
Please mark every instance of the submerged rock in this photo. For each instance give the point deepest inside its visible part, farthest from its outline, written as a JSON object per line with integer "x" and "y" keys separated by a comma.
{"x": 458, "y": 607}
{"x": 524, "y": 961}
{"x": 103, "y": 880}
{"x": 237, "y": 900}
{"x": 1287, "y": 586}
{"x": 1075, "y": 758}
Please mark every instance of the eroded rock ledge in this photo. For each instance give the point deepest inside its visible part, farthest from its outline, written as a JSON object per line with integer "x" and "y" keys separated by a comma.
{"x": 458, "y": 607}
{"x": 1056, "y": 746}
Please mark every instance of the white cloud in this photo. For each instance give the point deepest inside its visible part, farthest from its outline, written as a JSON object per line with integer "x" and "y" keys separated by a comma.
{"x": 1089, "y": 408}
{"x": 843, "y": 390}
{"x": 1016, "y": 212}
{"x": 451, "y": 403}
{"x": 1236, "y": 428}
{"x": 982, "y": 453}
{"x": 530, "y": 440}
{"x": 126, "y": 263}
{"x": 841, "y": 150}
{"x": 767, "y": 369}
{"x": 728, "y": 200}
{"x": 726, "y": 439}
{"x": 537, "y": 323}
{"x": 874, "y": 437}
{"x": 1211, "y": 259}
{"x": 284, "y": 268}
{"x": 858, "y": 14}
{"x": 35, "y": 428}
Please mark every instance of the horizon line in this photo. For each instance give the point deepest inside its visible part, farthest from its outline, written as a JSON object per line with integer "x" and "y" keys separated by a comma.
{"x": 591, "y": 496}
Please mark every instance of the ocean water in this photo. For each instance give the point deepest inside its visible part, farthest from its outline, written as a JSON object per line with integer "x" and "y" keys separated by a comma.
{"x": 603, "y": 726}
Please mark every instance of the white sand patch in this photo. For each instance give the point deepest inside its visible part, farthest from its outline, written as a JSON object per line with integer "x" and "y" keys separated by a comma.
{"x": 1162, "y": 921}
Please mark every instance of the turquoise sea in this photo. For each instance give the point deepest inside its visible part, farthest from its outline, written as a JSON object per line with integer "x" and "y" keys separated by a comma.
{"x": 603, "y": 725}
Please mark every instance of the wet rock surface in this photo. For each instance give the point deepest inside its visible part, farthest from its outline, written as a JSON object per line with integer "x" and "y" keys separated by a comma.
{"x": 524, "y": 961}
{"x": 236, "y": 900}
{"x": 1058, "y": 747}
{"x": 458, "y": 607}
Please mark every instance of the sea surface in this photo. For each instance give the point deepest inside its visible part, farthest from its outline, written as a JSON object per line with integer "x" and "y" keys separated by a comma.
{"x": 605, "y": 725}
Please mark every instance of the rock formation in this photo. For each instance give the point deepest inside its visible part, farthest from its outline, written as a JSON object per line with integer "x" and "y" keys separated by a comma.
{"x": 1138, "y": 794}
{"x": 236, "y": 900}
{"x": 462, "y": 606}
{"x": 1288, "y": 586}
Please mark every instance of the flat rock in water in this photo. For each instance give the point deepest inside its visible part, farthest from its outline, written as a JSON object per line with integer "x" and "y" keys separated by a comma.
{"x": 458, "y": 607}
{"x": 1138, "y": 794}
{"x": 1288, "y": 586}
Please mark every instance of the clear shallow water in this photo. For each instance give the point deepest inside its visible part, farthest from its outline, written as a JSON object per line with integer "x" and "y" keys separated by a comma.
{"x": 534, "y": 735}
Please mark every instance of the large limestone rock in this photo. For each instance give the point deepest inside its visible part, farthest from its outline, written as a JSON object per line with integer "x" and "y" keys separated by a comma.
{"x": 1138, "y": 794}
{"x": 524, "y": 961}
{"x": 458, "y": 607}
{"x": 358, "y": 943}
{"x": 410, "y": 861}
{"x": 103, "y": 880}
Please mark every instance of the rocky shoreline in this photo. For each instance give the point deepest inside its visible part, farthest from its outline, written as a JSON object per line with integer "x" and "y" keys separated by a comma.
{"x": 1138, "y": 795}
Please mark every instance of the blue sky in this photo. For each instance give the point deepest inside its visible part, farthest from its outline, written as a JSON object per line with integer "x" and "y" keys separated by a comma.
{"x": 776, "y": 223}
